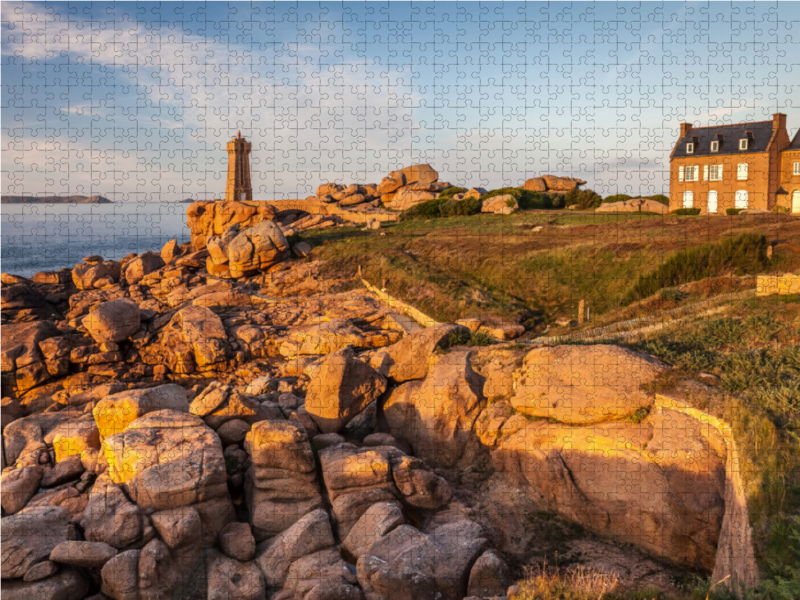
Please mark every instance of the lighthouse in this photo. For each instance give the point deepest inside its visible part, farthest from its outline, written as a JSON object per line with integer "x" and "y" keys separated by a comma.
{"x": 238, "y": 186}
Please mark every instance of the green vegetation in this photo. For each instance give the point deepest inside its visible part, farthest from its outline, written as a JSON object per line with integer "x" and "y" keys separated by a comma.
{"x": 583, "y": 199}
{"x": 733, "y": 211}
{"x": 688, "y": 212}
{"x": 746, "y": 253}
{"x": 616, "y": 198}
{"x": 755, "y": 353}
{"x": 450, "y": 192}
{"x": 442, "y": 208}
{"x": 465, "y": 338}
{"x": 527, "y": 199}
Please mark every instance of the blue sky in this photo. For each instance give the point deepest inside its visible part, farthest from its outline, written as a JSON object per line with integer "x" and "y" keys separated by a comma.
{"x": 136, "y": 101}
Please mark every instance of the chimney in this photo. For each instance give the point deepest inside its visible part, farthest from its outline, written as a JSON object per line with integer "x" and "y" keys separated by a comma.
{"x": 685, "y": 128}
{"x": 778, "y": 121}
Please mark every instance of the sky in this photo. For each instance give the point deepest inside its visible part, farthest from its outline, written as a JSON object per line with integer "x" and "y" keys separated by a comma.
{"x": 136, "y": 101}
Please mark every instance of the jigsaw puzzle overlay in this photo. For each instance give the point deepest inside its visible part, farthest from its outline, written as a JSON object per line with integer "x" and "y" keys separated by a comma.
{"x": 399, "y": 301}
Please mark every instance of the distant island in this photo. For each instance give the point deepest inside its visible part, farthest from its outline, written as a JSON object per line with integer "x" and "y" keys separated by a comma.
{"x": 8, "y": 199}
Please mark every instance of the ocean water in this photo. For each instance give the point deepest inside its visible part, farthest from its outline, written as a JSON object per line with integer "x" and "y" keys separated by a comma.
{"x": 40, "y": 237}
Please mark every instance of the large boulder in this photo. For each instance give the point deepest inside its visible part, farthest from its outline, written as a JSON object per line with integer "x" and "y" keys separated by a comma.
{"x": 375, "y": 523}
{"x": 168, "y": 459}
{"x": 323, "y": 574}
{"x": 110, "y": 517}
{"x": 327, "y": 337}
{"x": 340, "y": 388}
{"x": 308, "y": 535}
{"x": 30, "y": 536}
{"x": 96, "y": 275}
{"x": 658, "y": 484}
{"x": 230, "y": 579}
{"x": 67, "y": 584}
{"x": 114, "y": 413}
{"x": 21, "y": 354}
{"x": 634, "y": 205}
{"x": 358, "y": 478}
{"x": 406, "y": 197}
{"x": 209, "y": 218}
{"x": 552, "y": 183}
{"x": 113, "y": 321}
{"x": 500, "y": 205}
{"x": 281, "y": 484}
{"x": 436, "y": 415}
{"x": 423, "y": 173}
{"x": 409, "y": 358}
{"x": 18, "y": 486}
{"x": 584, "y": 384}
{"x": 257, "y": 248}
{"x": 193, "y": 340}
{"x": 407, "y": 564}
{"x": 145, "y": 263}
{"x": 219, "y": 404}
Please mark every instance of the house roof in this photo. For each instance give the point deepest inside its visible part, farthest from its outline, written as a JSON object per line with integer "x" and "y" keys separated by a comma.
{"x": 795, "y": 145}
{"x": 761, "y": 134}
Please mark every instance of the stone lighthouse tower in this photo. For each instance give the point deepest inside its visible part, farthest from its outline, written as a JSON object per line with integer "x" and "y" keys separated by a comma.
{"x": 239, "y": 187}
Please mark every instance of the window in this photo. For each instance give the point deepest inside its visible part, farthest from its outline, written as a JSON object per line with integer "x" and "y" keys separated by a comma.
{"x": 741, "y": 199}
{"x": 689, "y": 148}
{"x": 715, "y": 173}
{"x": 715, "y": 146}
{"x": 796, "y": 168}
{"x": 712, "y": 201}
{"x": 743, "y": 144}
{"x": 688, "y": 199}
{"x": 691, "y": 173}
{"x": 796, "y": 202}
{"x": 741, "y": 172}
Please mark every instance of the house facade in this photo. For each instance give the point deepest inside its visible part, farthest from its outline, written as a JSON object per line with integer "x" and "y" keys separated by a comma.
{"x": 747, "y": 165}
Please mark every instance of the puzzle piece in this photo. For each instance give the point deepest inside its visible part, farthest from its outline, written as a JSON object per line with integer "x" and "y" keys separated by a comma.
{"x": 399, "y": 300}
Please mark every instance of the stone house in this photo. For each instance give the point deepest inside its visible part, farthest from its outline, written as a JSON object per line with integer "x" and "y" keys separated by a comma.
{"x": 746, "y": 165}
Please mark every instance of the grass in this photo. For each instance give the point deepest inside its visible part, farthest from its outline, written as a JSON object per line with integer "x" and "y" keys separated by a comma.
{"x": 746, "y": 253}
{"x": 755, "y": 352}
{"x": 531, "y": 267}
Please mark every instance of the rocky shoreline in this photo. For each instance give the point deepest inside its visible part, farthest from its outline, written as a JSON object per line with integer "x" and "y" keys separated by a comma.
{"x": 217, "y": 420}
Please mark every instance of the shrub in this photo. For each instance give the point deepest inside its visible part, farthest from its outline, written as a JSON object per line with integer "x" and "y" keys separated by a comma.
{"x": 583, "y": 199}
{"x": 442, "y": 207}
{"x": 465, "y": 338}
{"x": 733, "y": 211}
{"x": 450, "y": 192}
{"x": 616, "y": 198}
{"x": 688, "y": 211}
{"x": 516, "y": 192}
{"x": 746, "y": 253}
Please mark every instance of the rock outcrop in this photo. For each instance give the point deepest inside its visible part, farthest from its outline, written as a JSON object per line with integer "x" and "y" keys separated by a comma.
{"x": 210, "y": 218}
{"x": 552, "y": 183}
{"x": 634, "y": 205}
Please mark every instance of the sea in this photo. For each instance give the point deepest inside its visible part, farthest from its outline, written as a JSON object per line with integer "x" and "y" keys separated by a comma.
{"x": 48, "y": 237}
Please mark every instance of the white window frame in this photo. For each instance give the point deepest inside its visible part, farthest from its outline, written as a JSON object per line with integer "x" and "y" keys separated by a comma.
{"x": 741, "y": 198}
{"x": 688, "y": 199}
{"x": 795, "y": 200}
{"x": 690, "y": 148}
{"x": 796, "y": 168}
{"x": 742, "y": 171}
{"x": 715, "y": 173}
{"x": 716, "y": 201}
{"x": 743, "y": 144}
{"x": 691, "y": 173}
{"x": 715, "y": 146}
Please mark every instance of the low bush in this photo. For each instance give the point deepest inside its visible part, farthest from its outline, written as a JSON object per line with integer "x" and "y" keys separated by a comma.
{"x": 465, "y": 338}
{"x": 616, "y": 198}
{"x": 583, "y": 199}
{"x": 442, "y": 207}
{"x": 733, "y": 211}
{"x": 450, "y": 192}
{"x": 688, "y": 212}
{"x": 529, "y": 200}
{"x": 746, "y": 253}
